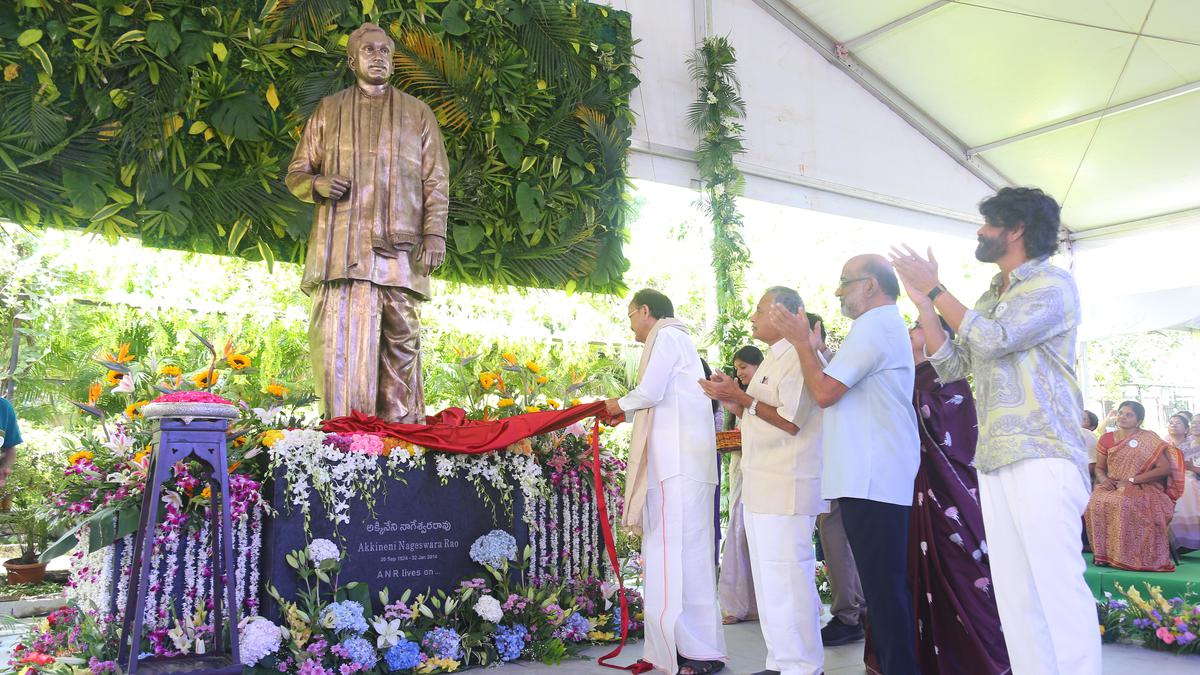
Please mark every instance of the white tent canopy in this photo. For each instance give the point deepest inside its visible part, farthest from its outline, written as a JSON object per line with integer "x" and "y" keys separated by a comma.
{"x": 911, "y": 111}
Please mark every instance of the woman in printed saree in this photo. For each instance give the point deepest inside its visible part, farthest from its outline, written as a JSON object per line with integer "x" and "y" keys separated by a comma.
{"x": 1186, "y": 523}
{"x": 958, "y": 626}
{"x": 735, "y": 587}
{"x": 1139, "y": 477}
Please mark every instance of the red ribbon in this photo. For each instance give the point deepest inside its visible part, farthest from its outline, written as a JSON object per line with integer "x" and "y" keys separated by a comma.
{"x": 610, "y": 545}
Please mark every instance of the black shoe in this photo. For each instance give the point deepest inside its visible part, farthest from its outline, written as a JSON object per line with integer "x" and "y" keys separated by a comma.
{"x": 836, "y": 633}
{"x": 767, "y": 672}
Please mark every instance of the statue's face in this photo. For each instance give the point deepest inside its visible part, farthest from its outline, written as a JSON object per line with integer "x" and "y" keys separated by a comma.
{"x": 372, "y": 63}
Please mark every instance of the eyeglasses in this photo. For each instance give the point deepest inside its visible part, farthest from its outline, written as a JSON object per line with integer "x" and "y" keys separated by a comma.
{"x": 842, "y": 283}
{"x": 632, "y": 312}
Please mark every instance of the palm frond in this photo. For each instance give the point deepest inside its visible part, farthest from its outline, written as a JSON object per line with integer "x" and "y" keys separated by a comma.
{"x": 303, "y": 18}
{"x": 443, "y": 75}
{"x": 552, "y": 39}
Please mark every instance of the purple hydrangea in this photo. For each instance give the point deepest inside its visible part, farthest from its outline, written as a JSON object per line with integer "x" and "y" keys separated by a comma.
{"x": 360, "y": 652}
{"x": 443, "y": 643}
{"x": 574, "y": 629}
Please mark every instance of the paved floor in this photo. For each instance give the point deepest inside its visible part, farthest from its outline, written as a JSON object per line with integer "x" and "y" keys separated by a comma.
{"x": 746, "y": 654}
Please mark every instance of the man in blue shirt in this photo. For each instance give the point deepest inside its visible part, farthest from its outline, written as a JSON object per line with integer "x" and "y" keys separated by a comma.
{"x": 10, "y": 438}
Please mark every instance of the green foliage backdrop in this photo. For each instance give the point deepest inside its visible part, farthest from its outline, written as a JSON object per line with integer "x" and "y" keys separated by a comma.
{"x": 174, "y": 121}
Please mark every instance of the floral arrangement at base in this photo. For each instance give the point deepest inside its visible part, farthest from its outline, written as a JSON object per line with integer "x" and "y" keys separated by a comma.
{"x": 1160, "y": 623}
{"x": 335, "y": 629}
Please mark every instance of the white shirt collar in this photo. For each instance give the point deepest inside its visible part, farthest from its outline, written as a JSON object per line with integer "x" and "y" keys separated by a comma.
{"x": 779, "y": 347}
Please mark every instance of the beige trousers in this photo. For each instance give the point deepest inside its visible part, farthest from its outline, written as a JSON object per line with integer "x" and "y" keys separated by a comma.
{"x": 365, "y": 343}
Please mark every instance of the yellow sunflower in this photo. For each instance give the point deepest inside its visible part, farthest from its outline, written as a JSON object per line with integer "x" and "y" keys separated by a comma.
{"x": 134, "y": 410}
{"x": 277, "y": 390}
{"x": 206, "y": 493}
{"x": 505, "y": 403}
{"x": 80, "y": 456}
{"x": 510, "y": 358}
{"x": 488, "y": 380}
{"x": 532, "y": 409}
{"x": 238, "y": 361}
{"x": 201, "y": 379}
{"x": 113, "y": 378}
{"x": 553, "y": 404}
{"x": 575, "y": 401}
{"x": 542, "y": 379}
{"x": 170, "y": 371}
{"x": 533, "y": 367}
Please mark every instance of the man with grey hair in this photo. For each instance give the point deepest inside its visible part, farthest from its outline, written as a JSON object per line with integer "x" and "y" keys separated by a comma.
{"x": 371, "y": 158}
{"x": 870, "y": 444}
{"x": 781, "y": 470}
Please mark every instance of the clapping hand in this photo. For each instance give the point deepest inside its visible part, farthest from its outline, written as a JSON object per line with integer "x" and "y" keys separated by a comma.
{"x": 721, "y": 387}
{"x": 794, "y": 327}
{"x": 919, "y": 276}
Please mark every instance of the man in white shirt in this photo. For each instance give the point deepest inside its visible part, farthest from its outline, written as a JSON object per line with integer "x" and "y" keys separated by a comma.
{"x": 870, "y": 444}
{"x": 781, "y": 470}
{"x": 670, "y": 492}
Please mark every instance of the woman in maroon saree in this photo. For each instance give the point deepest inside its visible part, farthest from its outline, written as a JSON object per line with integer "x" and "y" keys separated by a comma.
{"x": 958, "y": 628}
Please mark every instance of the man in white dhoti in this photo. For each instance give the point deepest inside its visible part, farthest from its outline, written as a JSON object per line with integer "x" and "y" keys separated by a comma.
{"x": 670, "y": 490}
{"x": 781, "y": 467}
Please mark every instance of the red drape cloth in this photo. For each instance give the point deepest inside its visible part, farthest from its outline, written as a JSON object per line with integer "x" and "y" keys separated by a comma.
{"x": 451, "y": 431}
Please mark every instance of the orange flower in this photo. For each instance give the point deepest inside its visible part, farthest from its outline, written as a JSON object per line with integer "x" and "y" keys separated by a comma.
{"x": 123, "y": 355}
{"x": 270, "y": 437}
{"x": 170, "y": 371}
{"x": 505, "y": 403}
{"x": 575, "y": 402}
{"x": 140, "y": 457}
{"x": 238, "y": 361}
{"x": 277, "y": 390}
{"x": 542, "y": 379}
{"x": 577, "y": 377}
{"x": 113, "y": 378}
{"x": 488, "y": 380}
{"x": 510, "y": 357}
{"x": 94, "y": 392}
{"x": 134, "y": 410}
{"x": 206, "y": 493}
{"x": 239, "y": 441}
{"x": 533, "y": 367}
{"x": 532, "y": 409}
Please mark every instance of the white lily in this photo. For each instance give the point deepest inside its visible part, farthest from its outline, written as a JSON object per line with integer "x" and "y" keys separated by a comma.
{"x": 389, "y": 632}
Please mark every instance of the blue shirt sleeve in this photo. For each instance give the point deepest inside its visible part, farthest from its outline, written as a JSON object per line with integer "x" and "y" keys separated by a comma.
{"x": 8, "y": 425}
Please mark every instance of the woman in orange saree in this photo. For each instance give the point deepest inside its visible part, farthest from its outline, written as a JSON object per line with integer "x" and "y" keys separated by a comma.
{"x": 1130, "y": 510}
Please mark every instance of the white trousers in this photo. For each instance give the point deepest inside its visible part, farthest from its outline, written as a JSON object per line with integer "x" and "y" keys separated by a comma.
{"x": 1032, "y": 513}
{"x": 783, "y": 564}
{"x": 681, "y": 577}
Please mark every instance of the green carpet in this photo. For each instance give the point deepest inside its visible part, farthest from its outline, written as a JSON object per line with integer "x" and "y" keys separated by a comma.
{"x": 1185, "y": 577}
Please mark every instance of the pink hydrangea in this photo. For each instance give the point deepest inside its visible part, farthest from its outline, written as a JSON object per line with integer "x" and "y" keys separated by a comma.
{"x": 191, "y": 397}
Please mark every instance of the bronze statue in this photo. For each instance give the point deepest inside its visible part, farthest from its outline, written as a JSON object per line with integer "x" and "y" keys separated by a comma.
{"x": 371, "y": 157}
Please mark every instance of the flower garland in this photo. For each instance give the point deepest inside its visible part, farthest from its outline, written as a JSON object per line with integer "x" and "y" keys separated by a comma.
{"x": 714, "y": 116}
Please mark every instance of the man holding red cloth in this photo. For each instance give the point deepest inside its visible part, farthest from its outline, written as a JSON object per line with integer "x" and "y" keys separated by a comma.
{"x": 669, "y": 492}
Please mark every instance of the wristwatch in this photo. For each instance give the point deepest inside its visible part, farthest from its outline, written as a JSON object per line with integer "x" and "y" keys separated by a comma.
{"x": 753, "y": 409}
{"x": 935, "y": 291}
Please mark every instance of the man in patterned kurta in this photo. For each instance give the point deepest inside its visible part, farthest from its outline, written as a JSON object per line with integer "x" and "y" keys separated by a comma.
{"x": 1019, "y": 342}
{"x": 371, "y": 158}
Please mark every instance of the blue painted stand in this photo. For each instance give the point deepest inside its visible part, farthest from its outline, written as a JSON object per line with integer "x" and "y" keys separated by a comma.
{"x": 177, "y": 439}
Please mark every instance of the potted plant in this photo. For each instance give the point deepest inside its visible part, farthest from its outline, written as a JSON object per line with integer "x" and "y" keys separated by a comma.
{"x": 37, "y": 472}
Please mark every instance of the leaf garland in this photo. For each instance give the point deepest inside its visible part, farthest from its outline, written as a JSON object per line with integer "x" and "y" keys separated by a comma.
{"x": 714, "y": 116}
{"x": 174, "y": 122}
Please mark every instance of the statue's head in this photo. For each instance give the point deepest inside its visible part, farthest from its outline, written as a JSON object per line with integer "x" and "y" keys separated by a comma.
{"x": 369, "y": 53}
